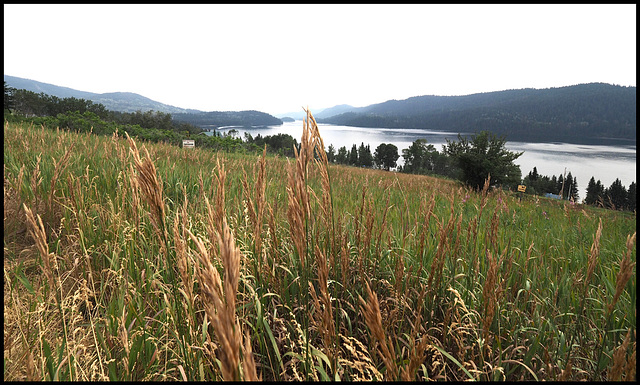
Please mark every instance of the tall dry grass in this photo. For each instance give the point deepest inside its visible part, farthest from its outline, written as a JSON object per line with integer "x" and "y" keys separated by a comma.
{"x": 124, "y": 261}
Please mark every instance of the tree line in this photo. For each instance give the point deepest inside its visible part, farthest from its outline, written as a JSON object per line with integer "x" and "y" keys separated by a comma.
{"x": 615, "y": 197}
{"x": 472, "y": 160}
{"x": 384, "y": 157}
{"x": 566, "y": 187}
{"x": 227, "y": 118}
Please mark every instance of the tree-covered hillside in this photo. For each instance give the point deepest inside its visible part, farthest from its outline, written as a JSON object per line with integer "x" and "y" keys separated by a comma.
{"x": 585, "y": 113}
{"x": 228, "y": 118}
{"x": 84, "y": 116}
{"x": 113, "y": 101}
{"x": 129, "y": 102}
{"x": 33, "y": 96}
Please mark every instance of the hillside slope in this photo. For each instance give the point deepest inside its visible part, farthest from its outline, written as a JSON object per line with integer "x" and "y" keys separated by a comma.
{"x": 592, "y": 112}
{"x": 132, "y": 102}
{"x": 114, "y": 101}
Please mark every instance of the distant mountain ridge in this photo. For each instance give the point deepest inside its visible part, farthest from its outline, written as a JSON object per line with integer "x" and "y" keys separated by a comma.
{"x": 335, "y": 110}
{"x": 114, "y": 101}
{"x": 132, "y": 102}
{"x": 299, "y": 115}
{"x": 319, "y": 113}
{"x": 583, "y": 113}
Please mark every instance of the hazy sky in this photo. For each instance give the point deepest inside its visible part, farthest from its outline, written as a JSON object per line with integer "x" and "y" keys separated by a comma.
{"x": 278, "y": 58}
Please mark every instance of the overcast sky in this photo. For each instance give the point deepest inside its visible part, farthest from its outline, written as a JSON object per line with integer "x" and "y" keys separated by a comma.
{"x": 278, "y": 58}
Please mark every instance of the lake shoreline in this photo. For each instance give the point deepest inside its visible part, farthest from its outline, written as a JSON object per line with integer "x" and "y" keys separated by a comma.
{"x": 618, "y": 142}
{"x": 604, "y": 162}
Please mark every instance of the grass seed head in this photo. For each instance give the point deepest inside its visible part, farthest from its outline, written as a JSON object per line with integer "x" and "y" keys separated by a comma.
{"x": 625, "y": 273}
{"x": 373, "y": 319}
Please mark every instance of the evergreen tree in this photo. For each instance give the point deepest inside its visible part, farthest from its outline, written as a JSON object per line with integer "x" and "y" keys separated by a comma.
{"x": 594, "y": 192}
{"x": 360, "y": 154}
{"x": 575, "y": 195}
{"x": 631, "y": 197}
{"x": 570, "y": 188}
{"x": 353, "y": 155}
{"x": 331, "y": 154}
{"x": 368, "y": 156}
{"x": 600, "y": 191}
{"x": 531, "y": 184}
{"x": 365, "y": 158}
{"x": 342, "y": 155}
{"x": 9, "y": 99}
{"x": 616, "y": 195}
{"x": 29, "y": 103}
{"x": 542, "y": 184}
{"x": 560, "y": 186}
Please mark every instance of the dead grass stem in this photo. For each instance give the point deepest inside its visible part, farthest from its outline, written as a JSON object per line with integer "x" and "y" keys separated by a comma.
{"x": 625, "y": 272}
{"x": 373, "y": 319}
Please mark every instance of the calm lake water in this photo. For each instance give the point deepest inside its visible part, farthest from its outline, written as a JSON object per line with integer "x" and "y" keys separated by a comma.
{"x": 605, "y": 163}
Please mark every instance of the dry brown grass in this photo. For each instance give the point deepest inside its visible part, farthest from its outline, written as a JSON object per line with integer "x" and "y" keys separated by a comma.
{"x": 625, "y": 272}
{"x": 489, "y": 296}
{"x": 136, "y": 297}
{"x": 58, "y": 169}
{"x": 220, "y": 298}
{"x": 183, "y": 259}
{"x": 37, "y": 232}
{"x": 248, "y": 362}
{"x": 623, "y": 368}
{"x": 298, "y": 205}
{"x": 256, "y": 214}
{"x": 593, "y": 254}
{"x": 437, "y": 266}
{"x": 324, "y": 308}
{"x": 150, "y": 183}
{"x": 373, "y": 319}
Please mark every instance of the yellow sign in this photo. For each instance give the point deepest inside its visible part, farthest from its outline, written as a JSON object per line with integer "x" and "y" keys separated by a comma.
{"x": 522, "y": 188}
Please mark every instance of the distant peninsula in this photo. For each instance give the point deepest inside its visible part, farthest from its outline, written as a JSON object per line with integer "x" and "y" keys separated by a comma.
{"x": 215, "y": 119}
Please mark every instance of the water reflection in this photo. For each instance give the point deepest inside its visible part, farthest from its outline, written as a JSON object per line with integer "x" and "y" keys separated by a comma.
{"x": 603, "y": 162}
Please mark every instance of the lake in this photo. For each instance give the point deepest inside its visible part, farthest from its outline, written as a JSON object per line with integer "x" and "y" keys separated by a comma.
{"x": 605, "y": 163}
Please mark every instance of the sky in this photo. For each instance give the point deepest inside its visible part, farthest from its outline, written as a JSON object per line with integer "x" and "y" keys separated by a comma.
{"x": 279, "y": 58}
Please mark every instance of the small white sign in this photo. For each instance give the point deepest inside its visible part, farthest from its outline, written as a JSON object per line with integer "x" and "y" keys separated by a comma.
{"x": 188, "y": 143}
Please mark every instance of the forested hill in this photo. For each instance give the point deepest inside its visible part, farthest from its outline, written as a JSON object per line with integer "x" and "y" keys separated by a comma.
{"x": 227, "y": 118}
{"x": 132, "y": 102}
{"x": 584, "y": 113}
{"x": 113, "y": 101}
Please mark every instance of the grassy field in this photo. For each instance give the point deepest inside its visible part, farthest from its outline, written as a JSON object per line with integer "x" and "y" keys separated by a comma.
{"x": 135, "y": 261}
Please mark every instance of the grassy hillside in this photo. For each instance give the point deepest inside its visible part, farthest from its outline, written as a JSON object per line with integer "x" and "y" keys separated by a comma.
{"x": 140, "y": 261}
